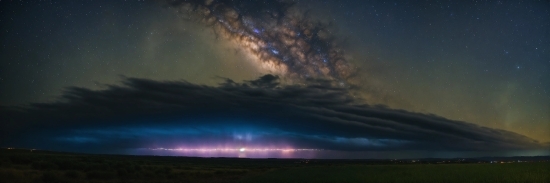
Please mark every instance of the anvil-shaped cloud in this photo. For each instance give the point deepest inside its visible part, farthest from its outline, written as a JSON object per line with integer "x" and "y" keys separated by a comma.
{"x": 264, "y": 113}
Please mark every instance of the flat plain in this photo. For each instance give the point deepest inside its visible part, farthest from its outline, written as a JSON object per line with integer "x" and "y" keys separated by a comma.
{"x": 18, "y": 165}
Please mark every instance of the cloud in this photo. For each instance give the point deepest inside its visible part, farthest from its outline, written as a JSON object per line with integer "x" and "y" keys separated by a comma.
{"x": 315, "y": 114}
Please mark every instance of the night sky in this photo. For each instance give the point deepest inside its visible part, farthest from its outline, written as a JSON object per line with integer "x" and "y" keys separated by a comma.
{"x": 289, "y": 79}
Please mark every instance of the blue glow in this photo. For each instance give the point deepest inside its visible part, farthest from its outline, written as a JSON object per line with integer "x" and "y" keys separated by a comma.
{"x": 79, "y": 139}
{"x": 369, "y": 142}
{"x": 275, "y": 51}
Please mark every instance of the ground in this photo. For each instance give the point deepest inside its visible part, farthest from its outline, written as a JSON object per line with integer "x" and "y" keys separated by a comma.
{"x": 42, "y": 166}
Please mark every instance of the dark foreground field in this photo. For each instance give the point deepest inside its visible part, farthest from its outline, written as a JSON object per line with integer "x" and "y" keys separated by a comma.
{"x": 41, "y": 166}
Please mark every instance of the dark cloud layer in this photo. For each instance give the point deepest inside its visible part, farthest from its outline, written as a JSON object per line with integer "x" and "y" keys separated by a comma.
{"x": 283, "y": 39}
{"x": 318, "y": 114}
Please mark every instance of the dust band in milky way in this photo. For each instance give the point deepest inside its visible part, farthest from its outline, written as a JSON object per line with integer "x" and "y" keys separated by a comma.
{"x": 281, "y": 40}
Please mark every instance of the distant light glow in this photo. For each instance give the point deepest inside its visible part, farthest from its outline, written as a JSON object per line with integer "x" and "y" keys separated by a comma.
{"x": 233, "y": 149}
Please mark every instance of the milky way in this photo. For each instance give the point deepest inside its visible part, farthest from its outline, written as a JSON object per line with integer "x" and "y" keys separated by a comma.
{"x": 279, "y": 39}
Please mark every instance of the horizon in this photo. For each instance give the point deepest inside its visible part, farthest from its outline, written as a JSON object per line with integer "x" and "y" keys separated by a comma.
{"x": 238, "y": 156}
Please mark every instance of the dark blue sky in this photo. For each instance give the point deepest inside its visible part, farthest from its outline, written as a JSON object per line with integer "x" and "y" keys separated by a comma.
{"x": 414, "y": 76}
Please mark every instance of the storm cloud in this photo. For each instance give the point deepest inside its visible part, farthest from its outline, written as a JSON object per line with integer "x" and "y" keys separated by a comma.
{"x": 316, "y": 114}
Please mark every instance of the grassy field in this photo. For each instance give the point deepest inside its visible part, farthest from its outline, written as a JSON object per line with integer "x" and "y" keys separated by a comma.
{"x": 25, "y": 166}
{"x": 518, "y": 172}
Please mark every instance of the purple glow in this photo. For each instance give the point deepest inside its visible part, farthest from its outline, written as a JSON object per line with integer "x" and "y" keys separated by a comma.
{"x": 240, "y": 152}
{"x": 322, "y": 153}
{"x": 242, "y": 149}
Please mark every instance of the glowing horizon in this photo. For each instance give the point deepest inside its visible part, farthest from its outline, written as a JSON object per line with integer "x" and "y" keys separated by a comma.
{"x": 241, "y": 149}
{"x": 237, "y": 152}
